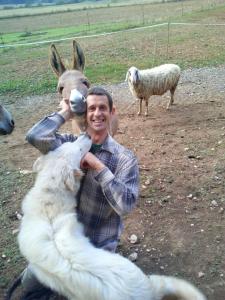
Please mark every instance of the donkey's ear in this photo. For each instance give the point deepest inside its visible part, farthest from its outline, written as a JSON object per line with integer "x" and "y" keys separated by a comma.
{"x": 56, "y": 62}
{"x": 78, "y": 57}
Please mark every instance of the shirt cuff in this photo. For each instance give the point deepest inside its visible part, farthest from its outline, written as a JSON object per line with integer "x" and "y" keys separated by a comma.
{"x": 104, "y": 176}
{"x": 57, "y": 118}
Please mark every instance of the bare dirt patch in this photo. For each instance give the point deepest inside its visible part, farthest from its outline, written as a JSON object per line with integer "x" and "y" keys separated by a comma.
{"x": 179, "y": 219}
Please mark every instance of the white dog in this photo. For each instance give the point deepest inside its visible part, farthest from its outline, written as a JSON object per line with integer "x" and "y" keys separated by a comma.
{"x": 59, "y": 254}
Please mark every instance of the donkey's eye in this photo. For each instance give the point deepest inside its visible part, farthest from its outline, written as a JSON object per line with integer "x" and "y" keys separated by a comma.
{"x": 60, "y": 89}
{"x": 85, "y": 82}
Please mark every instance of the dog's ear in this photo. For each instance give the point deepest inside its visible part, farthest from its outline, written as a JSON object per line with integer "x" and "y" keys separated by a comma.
{"x": 37, "y": 166}
{"x": 68, "y": 178}
{"x": 71, "y": 178}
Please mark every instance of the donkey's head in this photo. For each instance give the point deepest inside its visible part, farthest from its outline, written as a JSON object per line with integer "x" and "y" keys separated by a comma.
{"x": 72, "y": 78}
{"x": 6, "y": 121}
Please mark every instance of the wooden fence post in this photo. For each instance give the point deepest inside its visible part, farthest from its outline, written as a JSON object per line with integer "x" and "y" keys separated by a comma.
{"x": 168, "y": 39}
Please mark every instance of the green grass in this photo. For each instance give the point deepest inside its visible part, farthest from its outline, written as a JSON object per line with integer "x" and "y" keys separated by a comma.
{"x": 141, "y": 14}
{"x": 27, "y": 87}
{"x": 107, "y": 72}
{"x": 58, "y": 33}
{"x": 27, "y": 72}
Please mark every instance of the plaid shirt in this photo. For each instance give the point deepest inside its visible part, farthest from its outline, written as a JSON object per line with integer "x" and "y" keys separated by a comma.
{"x": 104, "y": 196}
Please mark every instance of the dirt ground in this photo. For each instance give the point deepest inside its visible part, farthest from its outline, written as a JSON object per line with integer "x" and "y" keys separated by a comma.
{"x": 179, "y": 220}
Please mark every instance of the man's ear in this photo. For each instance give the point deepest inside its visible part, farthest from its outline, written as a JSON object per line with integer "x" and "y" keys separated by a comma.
{"x": 37, "y": 166}
{"x": 113, "y": 110}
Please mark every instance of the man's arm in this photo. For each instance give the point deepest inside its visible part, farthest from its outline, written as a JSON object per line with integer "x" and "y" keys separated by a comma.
{"x": 90, "y": 161}
{"x": 44, "y": 136}
{"x": 121, "y": 190}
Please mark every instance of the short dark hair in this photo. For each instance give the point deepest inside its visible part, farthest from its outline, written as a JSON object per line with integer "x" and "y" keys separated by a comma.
{"x": 100, "y": 91}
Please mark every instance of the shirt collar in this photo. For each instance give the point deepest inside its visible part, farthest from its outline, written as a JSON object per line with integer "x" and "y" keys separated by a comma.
{"x": 109, "y": 144}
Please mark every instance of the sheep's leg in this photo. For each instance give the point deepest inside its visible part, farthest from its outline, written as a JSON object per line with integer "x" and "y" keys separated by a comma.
{"x": 140, "y": 107}
{"x": 146, "y": 107}
{"x": 171, "y": 101}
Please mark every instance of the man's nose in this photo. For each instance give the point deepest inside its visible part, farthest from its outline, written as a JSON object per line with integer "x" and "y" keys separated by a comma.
{"x": 97, "y": 112}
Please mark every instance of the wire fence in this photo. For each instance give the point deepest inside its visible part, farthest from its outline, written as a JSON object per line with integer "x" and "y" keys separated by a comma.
{"x": 165, "y": 24}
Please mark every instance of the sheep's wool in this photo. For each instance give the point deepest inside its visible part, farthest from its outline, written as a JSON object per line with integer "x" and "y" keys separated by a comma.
{"x": 155, "y": 81}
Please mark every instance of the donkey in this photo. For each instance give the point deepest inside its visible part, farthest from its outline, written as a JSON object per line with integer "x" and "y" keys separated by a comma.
{"x": 6, "y": 121}
{"x": 74, "y": 78}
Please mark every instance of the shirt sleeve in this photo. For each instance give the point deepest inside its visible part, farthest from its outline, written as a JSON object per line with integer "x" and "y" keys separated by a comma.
{"x": 44, "y": 135}
{"x": 121, "y": 190}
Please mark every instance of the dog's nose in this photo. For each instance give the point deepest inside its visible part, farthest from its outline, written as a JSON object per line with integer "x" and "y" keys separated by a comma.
{"x": 85, "y": 134}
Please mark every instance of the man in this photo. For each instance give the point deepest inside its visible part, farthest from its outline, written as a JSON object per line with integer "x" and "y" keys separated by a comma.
{"x": 110, "y": 186}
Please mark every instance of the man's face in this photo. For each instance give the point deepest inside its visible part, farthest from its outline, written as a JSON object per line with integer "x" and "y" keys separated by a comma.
{"x": 98, "y": 113}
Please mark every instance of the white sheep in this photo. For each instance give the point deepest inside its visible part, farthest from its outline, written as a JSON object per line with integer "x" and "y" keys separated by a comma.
{"x": 156, "y": 81}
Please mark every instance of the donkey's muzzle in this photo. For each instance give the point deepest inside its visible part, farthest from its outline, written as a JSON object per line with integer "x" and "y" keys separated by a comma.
{"x": 78, "y": 103}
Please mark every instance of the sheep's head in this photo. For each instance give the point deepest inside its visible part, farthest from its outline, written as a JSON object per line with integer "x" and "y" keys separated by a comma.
{"x": 133, "y": 75}
{"x": 61, "y": 168}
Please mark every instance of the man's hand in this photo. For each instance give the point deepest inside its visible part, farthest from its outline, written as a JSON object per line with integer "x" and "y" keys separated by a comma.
{"x": 65, "y": 111}
{"x": 90, "y": 161}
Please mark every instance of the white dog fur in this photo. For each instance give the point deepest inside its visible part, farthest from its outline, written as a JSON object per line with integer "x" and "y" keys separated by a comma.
{"x": 62, "y": 258}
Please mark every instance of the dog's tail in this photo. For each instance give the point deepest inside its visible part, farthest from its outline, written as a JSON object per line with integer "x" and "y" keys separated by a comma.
{"x": 165, "y": 287}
